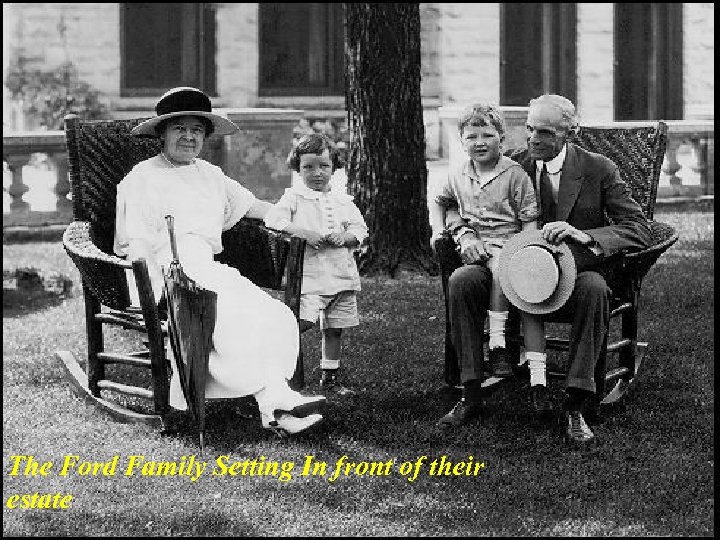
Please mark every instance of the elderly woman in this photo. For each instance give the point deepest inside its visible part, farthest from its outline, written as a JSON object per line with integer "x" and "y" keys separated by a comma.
{"x": 255, "y": 341}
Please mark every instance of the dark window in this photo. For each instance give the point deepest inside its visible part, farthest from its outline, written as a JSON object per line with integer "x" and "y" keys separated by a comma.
{"x": 167, "y": 45}
{"x": 537, "y": 51}
{"x": 301, "y": 49}
{"x": 648, "y": 61}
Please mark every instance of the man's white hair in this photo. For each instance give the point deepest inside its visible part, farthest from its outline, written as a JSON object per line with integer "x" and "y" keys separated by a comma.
{"x": 561, "y": 103}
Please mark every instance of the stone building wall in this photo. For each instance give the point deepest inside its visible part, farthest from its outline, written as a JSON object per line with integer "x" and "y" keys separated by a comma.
{"x": 237, "y": 58}
{"x": 699, "y": 60}
{"x": 469, "y": 52}
{"x": 595, "y": 60}
{"x": 86, "y": 34}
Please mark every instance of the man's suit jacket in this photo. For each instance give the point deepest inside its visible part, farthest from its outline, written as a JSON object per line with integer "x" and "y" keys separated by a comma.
{"x": 590, "y": 192}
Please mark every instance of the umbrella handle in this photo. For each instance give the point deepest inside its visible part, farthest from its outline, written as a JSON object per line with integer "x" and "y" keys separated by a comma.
{"x": 171, "y": 231}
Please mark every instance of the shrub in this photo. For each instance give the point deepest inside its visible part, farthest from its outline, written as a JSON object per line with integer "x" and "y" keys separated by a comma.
{"x": 48, "y": 95}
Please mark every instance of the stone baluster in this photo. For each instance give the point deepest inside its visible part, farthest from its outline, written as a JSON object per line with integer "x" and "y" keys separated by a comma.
{"x": 699, "y": 145}
{"x": 671, "y": 165}
{"x": 62, "y": 185}
{"x": 17, "y": 188}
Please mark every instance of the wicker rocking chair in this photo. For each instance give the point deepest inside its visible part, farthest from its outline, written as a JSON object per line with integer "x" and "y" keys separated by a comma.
{"x": 100, "y": 154}
{"x": 638, "y": 152}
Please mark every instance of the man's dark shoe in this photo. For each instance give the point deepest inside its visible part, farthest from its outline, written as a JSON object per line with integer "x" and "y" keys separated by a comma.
{"x": 577, "y": 431}
{"x": 462, "y": 413}
{"x": 330, "y": 383}
{"x": 540, "y": 400}
{"x": 499, "y": 363}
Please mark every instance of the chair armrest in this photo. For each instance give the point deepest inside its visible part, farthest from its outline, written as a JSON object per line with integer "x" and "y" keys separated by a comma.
{"x": 267, "y": 257}
{"x": 638, "y": 263}
{"x": 102, "y": 273}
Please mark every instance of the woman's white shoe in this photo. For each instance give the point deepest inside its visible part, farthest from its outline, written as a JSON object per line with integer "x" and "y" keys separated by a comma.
{"x": 286, "y": 424}
{"x": 296, "y": 404}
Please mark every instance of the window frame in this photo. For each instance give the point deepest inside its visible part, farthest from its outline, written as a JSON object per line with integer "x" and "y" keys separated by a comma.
{"x": 197, "y": 52}
{"x": 335, "y": 58}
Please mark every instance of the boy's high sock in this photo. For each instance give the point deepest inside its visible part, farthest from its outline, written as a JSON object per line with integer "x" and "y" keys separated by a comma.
{"x": 329, "y": 364}
{"x": 497, "y": 328}
{"x": 537, "y": 362}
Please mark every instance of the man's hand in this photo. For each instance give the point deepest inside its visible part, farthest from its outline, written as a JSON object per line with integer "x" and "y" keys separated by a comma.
{"x": 558, "y": 231}
{"x": 472, "y": 249}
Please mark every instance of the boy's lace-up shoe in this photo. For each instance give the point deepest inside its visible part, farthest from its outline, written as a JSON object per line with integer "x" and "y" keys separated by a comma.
{"x": 540, "y": 400}
{"x": 499, "y": 363}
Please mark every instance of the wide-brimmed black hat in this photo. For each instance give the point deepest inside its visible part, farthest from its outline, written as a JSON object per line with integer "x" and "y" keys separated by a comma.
{"x": 185, "y": 101}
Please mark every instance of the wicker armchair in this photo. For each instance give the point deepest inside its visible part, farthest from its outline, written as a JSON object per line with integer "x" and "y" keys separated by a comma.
{"x": 100, "y": 154}
{"x": 638, "y": 152}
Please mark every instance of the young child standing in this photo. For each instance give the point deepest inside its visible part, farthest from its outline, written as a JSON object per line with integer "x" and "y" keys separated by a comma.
{"x": 333, "y": 227}
{"x": 485, "y": 201}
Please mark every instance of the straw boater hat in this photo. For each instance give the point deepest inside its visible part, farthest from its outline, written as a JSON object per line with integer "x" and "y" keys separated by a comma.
{"x": 536, "y": 276}
{"x": 185, "y": 101}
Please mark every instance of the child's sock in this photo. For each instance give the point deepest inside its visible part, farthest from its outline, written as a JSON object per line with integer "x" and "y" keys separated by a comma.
{"x": 497, "y": 328}
{"x": 537, "y": 364}
{"x": 329, "y": 364}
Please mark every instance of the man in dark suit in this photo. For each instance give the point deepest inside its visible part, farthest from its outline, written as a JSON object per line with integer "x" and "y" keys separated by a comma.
{"x": 583, "y": 202}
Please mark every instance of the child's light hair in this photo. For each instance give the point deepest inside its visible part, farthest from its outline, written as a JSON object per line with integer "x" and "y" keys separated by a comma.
{"x": 481, "y": 114}
{"x": 562, "y": 104}
{"x": 314, "y": 143}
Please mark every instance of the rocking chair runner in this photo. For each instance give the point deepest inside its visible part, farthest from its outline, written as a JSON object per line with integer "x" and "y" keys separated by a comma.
{"x": 638, "y": 152}
{"x": 100, "y": 154}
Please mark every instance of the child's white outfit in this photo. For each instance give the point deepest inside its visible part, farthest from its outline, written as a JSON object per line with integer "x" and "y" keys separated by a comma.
{"x": 330, "y": 274}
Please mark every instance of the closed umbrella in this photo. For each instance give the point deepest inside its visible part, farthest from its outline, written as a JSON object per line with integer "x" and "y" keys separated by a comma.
{"x": 191, "y": 322}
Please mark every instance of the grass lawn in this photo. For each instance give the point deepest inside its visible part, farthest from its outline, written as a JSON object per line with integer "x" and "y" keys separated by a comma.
{"x": 650, "y": 474}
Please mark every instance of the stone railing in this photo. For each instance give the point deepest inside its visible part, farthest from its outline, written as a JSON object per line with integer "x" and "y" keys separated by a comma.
{"x": 688, "y": 167}
{"x": 36, "y": 188}
{"x": 257, "y": 155}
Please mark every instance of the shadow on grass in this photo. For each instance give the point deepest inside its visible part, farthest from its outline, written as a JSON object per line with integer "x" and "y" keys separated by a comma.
{"x": 20, "y": 302}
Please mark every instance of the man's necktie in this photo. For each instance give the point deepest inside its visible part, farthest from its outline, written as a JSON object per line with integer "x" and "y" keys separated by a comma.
{"x": 547, "y": 200}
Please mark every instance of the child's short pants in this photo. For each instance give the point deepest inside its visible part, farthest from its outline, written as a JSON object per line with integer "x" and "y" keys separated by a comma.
{"x": 334, "y": 310}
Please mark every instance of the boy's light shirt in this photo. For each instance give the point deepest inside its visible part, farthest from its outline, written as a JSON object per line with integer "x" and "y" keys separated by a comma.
{"x": 330, "y": 269}
{"x": 492, "y": 205}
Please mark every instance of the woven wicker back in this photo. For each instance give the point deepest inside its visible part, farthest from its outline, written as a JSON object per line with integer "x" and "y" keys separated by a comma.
{"x": 637, "y": 151}
{"x": 100, "y": 154}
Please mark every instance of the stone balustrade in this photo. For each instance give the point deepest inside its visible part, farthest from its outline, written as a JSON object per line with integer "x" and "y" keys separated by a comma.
{"x": 255, "y": 155}
{"x": 258, "y": 152}
{"x": 688, "y": 167}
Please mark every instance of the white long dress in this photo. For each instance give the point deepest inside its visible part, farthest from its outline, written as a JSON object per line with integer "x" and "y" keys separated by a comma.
{"x": 256, "y": 336}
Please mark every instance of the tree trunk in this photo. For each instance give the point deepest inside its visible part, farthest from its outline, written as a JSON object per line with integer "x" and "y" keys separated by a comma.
{"x": 386, "y": 166}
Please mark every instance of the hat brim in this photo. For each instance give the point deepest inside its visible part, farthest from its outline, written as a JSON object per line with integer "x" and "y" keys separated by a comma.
{"x": 221, "y": 125}
{"x": 566, "y": 267}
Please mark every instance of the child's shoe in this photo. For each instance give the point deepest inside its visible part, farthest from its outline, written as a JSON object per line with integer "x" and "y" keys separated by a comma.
{"x": 329, "y": 383}
{"x": 499, "y": 363}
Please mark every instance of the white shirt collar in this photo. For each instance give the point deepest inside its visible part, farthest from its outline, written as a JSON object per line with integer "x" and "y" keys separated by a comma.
{"x": 301, "y": 189}
{"x": 555, "y": 165}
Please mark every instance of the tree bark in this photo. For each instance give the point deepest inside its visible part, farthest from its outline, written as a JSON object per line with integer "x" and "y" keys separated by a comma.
{"x": 386, "y": 166}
